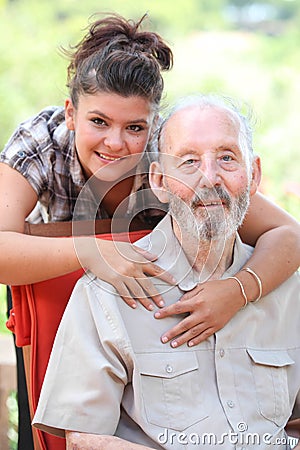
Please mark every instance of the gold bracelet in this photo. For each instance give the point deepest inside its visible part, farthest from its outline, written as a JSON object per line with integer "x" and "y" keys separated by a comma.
{"x": 242, "y": 289}
{"x": 258, "y": 280}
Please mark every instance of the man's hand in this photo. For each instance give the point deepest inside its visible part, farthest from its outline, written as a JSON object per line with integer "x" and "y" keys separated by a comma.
{"x": 85, "y": 441}
{"x": 210, "y": 306}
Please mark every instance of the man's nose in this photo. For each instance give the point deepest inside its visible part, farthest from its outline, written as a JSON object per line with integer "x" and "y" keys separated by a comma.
{"x": 114, "y": 140}
{"x": 209, "y": 173}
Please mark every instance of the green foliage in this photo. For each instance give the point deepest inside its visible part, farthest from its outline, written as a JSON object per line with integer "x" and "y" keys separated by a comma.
{"x": 12, "y": 406}
{"x": 258, "y": 62}
{"x": 3, "y": 309}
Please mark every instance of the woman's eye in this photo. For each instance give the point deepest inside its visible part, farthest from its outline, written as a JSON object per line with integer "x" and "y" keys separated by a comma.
{"x": 135, "y": 128}
{"x": 98, "y": 121}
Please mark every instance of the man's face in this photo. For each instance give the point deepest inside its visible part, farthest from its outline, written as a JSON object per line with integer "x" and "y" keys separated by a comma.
{"x": 205, "y": 172}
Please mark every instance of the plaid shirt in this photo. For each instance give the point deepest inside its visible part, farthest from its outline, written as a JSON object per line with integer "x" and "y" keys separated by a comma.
{"x": 42, "y": 149}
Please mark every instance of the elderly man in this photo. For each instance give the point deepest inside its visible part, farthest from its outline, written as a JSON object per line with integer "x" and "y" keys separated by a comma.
{"x": 111, "y": 383}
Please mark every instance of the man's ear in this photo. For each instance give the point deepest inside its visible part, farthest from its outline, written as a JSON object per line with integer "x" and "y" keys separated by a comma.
{"x": 156, "y": 180}
{"x": 256, "y": 175}
{"x": 69, "y": 114}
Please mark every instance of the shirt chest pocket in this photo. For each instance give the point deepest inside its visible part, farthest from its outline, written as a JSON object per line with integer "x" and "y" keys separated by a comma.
{"x": 171, "y": 389}
{"x": 270, "y": 368}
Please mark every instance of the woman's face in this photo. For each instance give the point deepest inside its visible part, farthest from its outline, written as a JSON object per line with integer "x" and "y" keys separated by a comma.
{"x": 111, "y": 132}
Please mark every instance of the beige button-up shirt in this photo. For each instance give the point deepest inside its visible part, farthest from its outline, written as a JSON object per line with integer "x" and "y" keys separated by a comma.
{"x": 109, "y": 373}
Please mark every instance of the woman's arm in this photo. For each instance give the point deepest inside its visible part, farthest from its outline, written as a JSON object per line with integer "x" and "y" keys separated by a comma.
{"x": 293, "y": 428}
{"x": 276, "y": 236}
{"x": 26, "y": 259}
{"x": 84, "y": 441}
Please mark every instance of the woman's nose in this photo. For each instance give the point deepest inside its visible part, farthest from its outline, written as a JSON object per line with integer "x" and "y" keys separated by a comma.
{"x": 114, "y": 140}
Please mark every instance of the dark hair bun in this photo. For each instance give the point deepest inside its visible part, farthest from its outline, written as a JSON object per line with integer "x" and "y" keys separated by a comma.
{"x": 116, "y": 33}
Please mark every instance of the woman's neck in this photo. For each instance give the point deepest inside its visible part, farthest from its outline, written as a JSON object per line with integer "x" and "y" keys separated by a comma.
{"x": 113, "y": 195}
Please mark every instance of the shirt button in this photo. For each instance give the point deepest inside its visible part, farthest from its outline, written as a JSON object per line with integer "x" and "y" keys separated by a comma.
{"x": 21, "y": 154}
{"x": 169, "y": 369}
{"x": 222, "y": 352}
{"x": 230, "y": 403}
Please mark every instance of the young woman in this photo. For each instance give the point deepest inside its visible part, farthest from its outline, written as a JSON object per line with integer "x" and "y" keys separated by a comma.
{"x": 115, "y": 86}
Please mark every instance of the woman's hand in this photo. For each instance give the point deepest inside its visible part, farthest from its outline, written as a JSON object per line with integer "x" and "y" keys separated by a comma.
{"x": 124, "y": 266}
{"x": 84, "y": 441}
{"x": 292, "y": 429}
{"x": 210, "y": 306}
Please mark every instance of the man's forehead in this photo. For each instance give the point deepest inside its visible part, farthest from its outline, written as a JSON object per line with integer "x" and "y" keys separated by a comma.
{"x": 199, "y": 113}
{"x": 195, "y": 118}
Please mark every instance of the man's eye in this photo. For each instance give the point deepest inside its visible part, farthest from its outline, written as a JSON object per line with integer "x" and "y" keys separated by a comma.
{"x": 189, "y": 162}
{"x": 227, "y": 158}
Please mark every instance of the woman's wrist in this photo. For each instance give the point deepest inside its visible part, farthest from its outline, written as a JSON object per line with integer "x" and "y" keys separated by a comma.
{"x": 235, "y": 294}
{"x": 85, "y": 249}
{"x": 251, "y": 283}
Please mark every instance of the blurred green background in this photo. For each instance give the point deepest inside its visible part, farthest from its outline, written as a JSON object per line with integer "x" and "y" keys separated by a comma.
{"x": 249, "y": 50}
{"x": 246, "y": 49}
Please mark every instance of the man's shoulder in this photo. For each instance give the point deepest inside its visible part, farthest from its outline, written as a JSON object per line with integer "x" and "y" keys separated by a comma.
{"x": 91, "y": 282}
{"x": 93, "y": 297}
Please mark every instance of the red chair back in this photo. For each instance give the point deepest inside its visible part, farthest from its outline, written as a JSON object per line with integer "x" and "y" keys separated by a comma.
{"x": 37, "y": 311}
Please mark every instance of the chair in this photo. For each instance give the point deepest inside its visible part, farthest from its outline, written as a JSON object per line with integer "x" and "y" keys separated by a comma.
{"x": 38, "y": 308}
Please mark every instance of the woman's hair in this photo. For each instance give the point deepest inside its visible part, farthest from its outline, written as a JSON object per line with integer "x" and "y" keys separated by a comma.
{"x": 115, "y": 56}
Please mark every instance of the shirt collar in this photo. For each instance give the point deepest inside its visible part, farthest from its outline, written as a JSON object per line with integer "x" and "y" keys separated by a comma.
{"x": 64, "y": 139}
{"x": 76, "y": 171}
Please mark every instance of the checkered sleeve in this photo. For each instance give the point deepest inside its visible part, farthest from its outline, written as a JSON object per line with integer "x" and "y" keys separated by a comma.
{"x": 27, "y": 151}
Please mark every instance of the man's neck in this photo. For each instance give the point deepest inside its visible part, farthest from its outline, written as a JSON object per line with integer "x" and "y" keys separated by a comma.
{"x": 210, "y": 259}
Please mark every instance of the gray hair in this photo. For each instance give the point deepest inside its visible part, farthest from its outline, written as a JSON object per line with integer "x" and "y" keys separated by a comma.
{"x": 233, "y": 108}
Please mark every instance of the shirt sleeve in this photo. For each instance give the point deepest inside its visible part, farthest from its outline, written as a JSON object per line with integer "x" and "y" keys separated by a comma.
{"x": 25, "y": 152}
{"x": 86, "y": 375}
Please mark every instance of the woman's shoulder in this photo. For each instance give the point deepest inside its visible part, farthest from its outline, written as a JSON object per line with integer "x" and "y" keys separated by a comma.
{"x": 45, "y": 122}
{"x": 41, "y": 149}
{"x": 38, "y": 133}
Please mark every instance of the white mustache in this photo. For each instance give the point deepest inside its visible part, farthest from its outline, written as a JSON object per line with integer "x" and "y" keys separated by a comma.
{"x": 207, "y": 197}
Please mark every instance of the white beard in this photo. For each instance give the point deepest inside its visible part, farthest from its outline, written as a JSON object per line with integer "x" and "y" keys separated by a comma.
{"x": 205, "y": 224}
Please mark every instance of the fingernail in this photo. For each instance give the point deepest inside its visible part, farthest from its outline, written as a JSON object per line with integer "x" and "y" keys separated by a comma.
{"x": 157, "y": 315}
{"x": 174, "y": 344}
{"x": 164, "y": 339}
{"x": 134, "y": 305}
{"x": 191, "y": 344}
{"x": 151, "y": 307}
{"x": 161, "y": 303}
